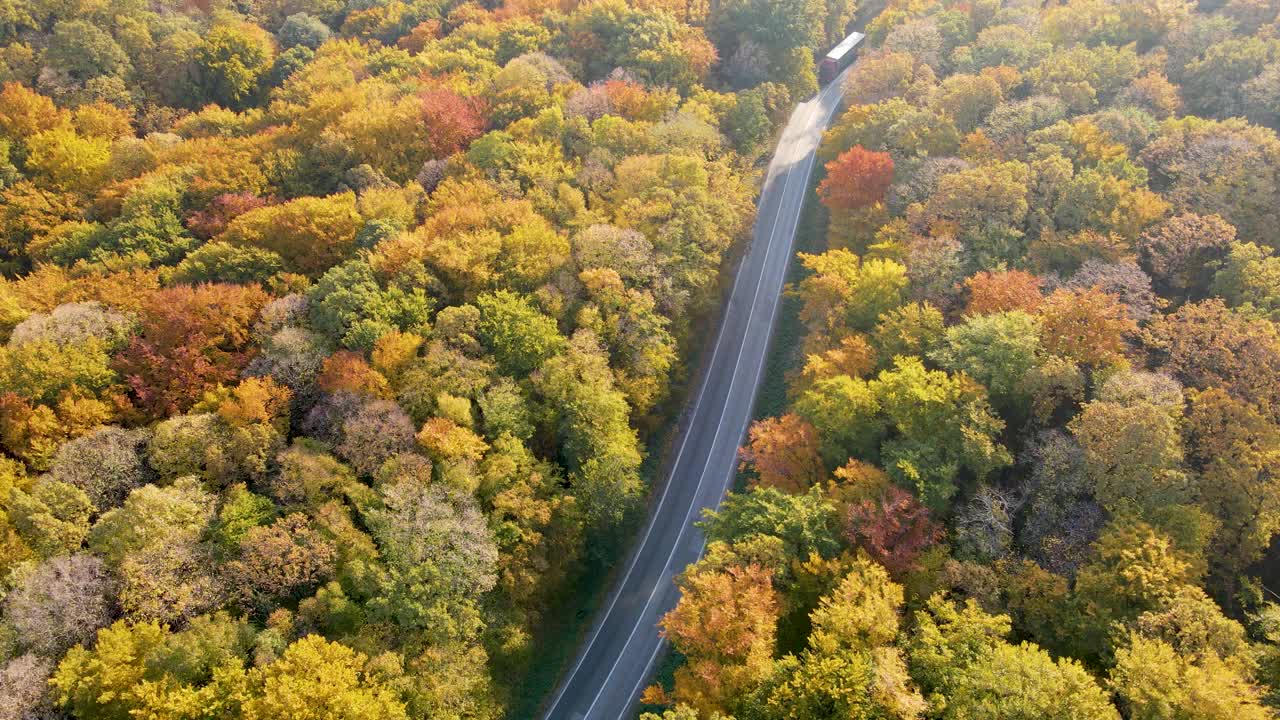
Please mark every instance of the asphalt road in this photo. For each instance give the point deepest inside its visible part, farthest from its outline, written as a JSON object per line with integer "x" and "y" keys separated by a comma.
{"x": 616, "y": 661}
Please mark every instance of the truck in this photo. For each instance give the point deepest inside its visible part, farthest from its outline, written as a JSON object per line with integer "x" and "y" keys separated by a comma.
{"x": 839, "y": 58}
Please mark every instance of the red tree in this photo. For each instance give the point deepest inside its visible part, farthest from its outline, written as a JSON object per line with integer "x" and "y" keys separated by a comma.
{"x": 858, "y": 178}
{"x": 893, "y": 531}
{"x": 191, "y": 339}
{"x": 453, "y": 121}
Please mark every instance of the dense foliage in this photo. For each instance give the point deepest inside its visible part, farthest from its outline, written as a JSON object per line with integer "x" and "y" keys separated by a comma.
{"x": 1030, "y": 463}
{"x": 332, "y": 332}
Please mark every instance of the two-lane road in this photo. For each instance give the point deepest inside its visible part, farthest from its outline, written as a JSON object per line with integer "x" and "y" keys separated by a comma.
{"x": 613, "y": 666}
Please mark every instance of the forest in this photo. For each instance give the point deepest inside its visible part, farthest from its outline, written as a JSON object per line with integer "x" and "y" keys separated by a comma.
{"x": 337, "y": 335}
{"x": 1028, "y": 465}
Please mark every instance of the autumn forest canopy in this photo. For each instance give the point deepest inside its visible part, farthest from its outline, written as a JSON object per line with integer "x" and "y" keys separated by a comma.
{"x": 339, "y": 340}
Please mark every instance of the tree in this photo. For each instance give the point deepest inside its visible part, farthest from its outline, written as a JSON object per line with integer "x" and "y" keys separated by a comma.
{"x": 1214, "y": 83}
{"x": 61, "y": 603}
{"x": 1181, "y": 251}
{"x": 1226, "y": 168}
{"x": 599, "y": 447}
{"x": 75, "y": 322}
{"x": 152, "y": 517}
{"x": 1084, "y": 76}
{"x": 968, "y": 99}
{"x": 845, "y": 293}
{"x": 1087, "y": 326}
{"x": 308, "y": 476}
{"x": 887, "y": 75}
{"x": 1248, "y": 278}
{"x": 51, "y": 517}
{"x": 1207, "y": 345}
{"x": 1193, "y": 624}
{"x": 846, "y": 413}
{"x": 440, "y": 559}
{"x": 994, "y": 292}
{"x": 856, "y": 179}
{"x": 777, "y": 26}
{"x": 104, "y": 681}
{"x": 964, "y": 665}
{"x": 25, "y": 112}
{"x": 190, "y": 339}
{"x": 1135, "y": 569}
{"x": 1152, "y": 680}
{"x": 984, "y": 207}
{"x": 805, "y": 524}
{"x": 310, "y": 234}
{"x": 724, "y": 624}
{"x": 1233, "y": 446}
{"x": 1123, "y": 279}
{"x": 940, "y": 423}
{"x": 281, "y": 562}
{"x": 850, "y": 666}
{"x": 641, "y": 349}
{"x": 213, "y": 218}
{"x": 316, "y": 679}
{"x": 1133, "y": 452}
{"x": 67, "y": 161}
{"x": 224, "y": 262}
{"x": 354, "y": 307}
{"x": 1024, "y": 681}
{"x": 107, "y": 464}
{"x": 913, "y": 329}
{"x": 998, "y": 350}
{"x": 230, "y": 63}
{"x": 893, "y": 530}
{"x": 303, "y": 29}
{"x": 452, "y": 121}
{"x": 45, "y": 372}
{"x": 375, "y": 432}
{"x": 24, "y": 687}
{"x": 783, "y": 452}
{"x": 169, "y": 583}
{"x": 521, "y": 337}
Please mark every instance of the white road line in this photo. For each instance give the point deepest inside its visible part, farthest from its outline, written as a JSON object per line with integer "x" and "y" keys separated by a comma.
{"x": 653, "y": 520}
{"x": 764, "y": 266}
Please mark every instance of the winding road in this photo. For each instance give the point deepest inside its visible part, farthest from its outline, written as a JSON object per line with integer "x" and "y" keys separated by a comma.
{"x": 615, "y": 663}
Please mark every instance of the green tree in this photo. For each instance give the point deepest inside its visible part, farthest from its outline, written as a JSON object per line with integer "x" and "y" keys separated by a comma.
{"x": 963, "y": 663}
{"x": 231, "y": 62}
{"x": 846, "y": 413}
{"x": 521, "y": 337}
{"x": 84, "y": 50}
{"x": 997, "y": 350}
{"x": 354, "y": 307}
{"x": 941, "y": 423}
{"x": 599, "y": 447}
{"x": 804, "y": 524}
